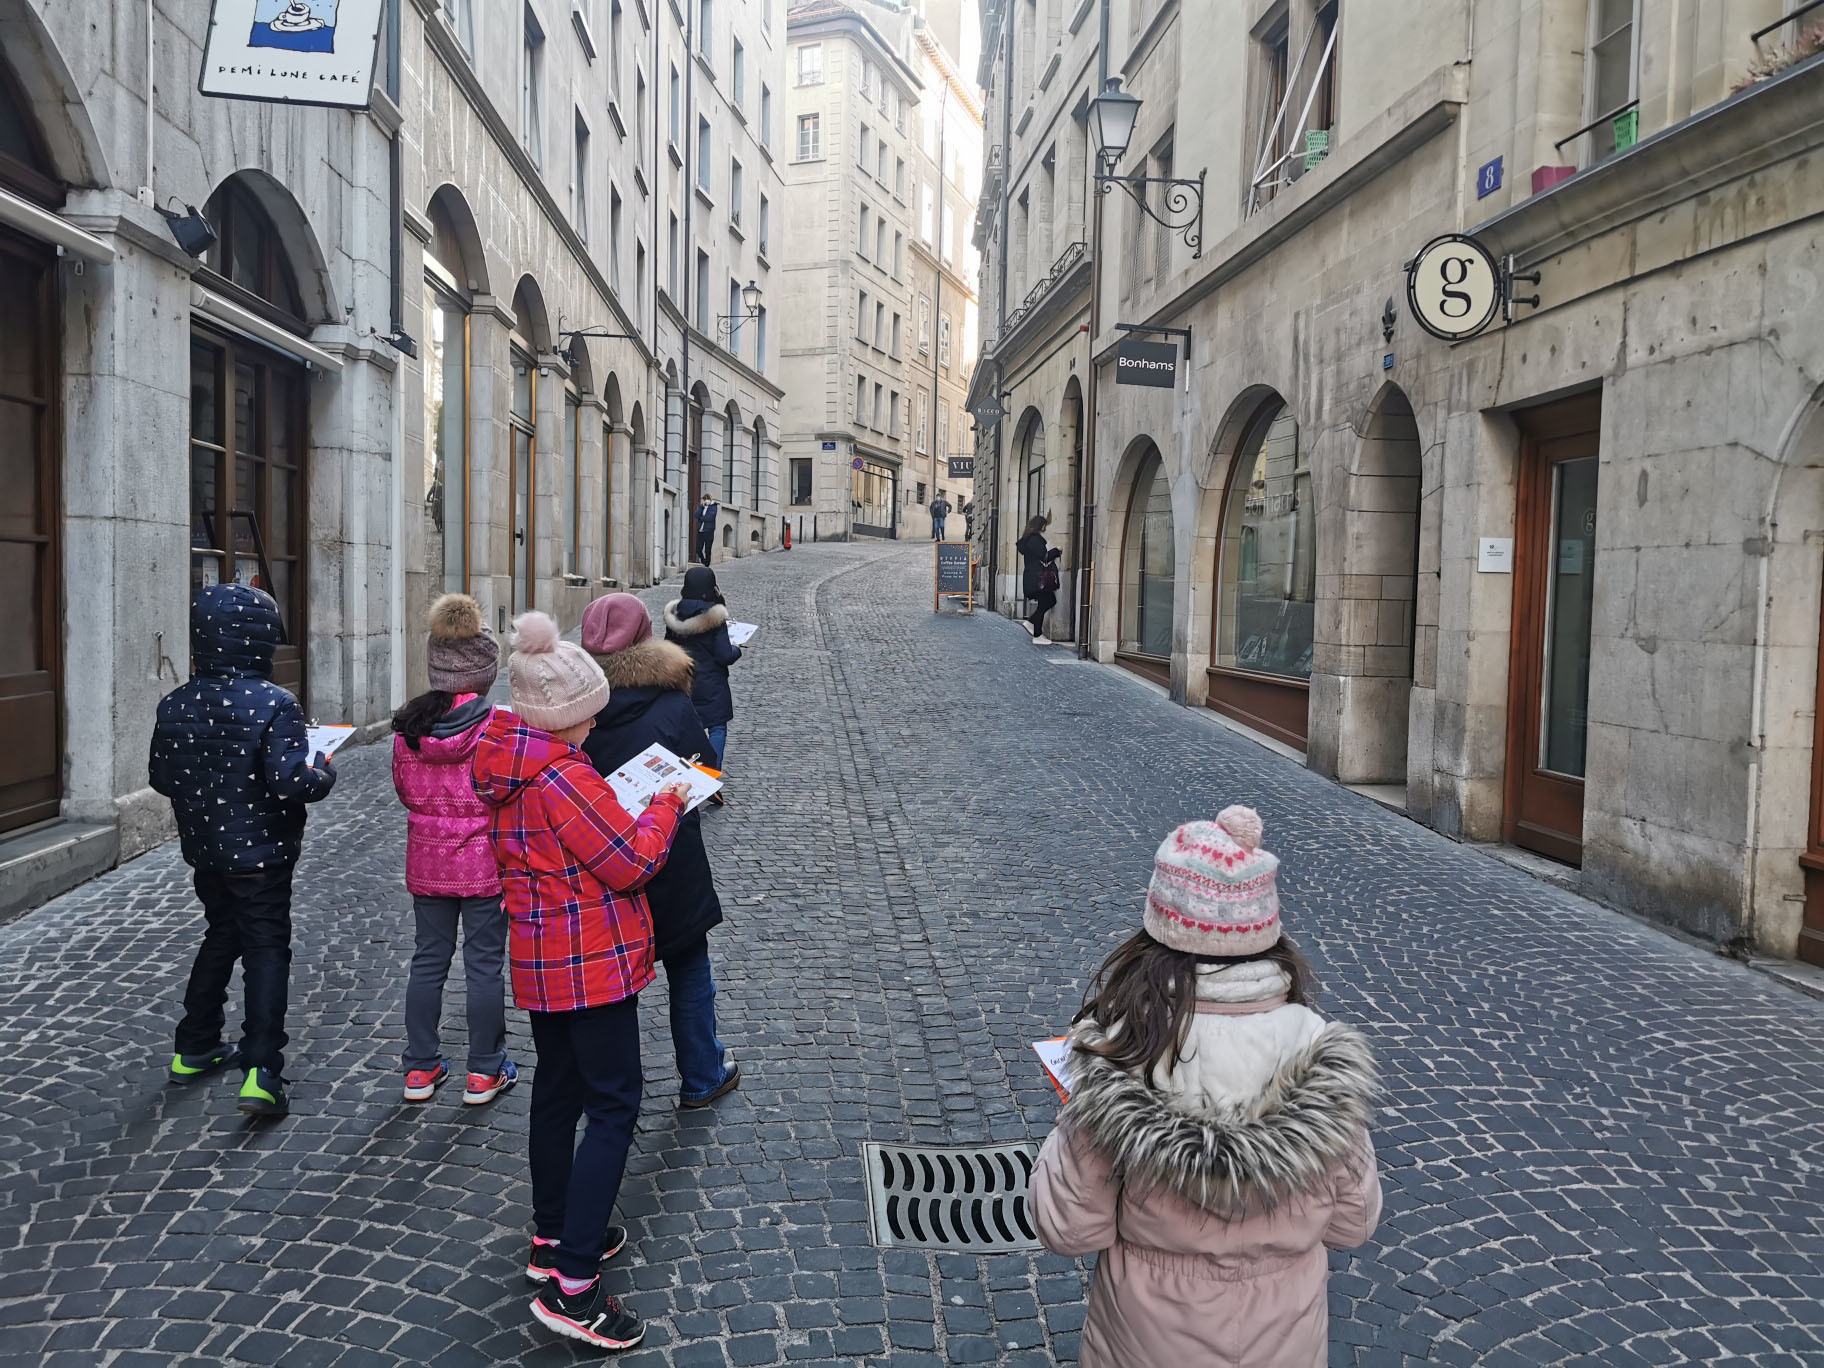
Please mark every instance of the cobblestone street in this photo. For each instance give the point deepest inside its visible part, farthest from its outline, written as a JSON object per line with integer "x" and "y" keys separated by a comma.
{"x": 1600, "y": 1145}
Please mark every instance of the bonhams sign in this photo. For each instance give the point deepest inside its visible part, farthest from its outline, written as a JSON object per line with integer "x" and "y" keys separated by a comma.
{"x": 1154, "y": 364}
{"x": 313, "y": 52}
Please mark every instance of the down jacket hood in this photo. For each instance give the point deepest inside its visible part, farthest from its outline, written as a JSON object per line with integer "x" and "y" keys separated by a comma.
{"x": 651, "y": 664}
{"x": 234, "y": 629}
{"x": 1211, "y": 1135}
{"x": 694, "y": 617}
{"x": 509, "y": 757}
{"x": 454, "y": 736}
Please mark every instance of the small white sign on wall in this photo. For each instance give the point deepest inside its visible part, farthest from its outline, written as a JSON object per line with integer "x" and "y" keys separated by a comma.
{"x": 1496, "y": 556}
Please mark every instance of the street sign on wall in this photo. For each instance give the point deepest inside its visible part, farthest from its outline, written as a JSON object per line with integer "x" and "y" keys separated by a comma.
{"x": 1153, "y": 364}
{"x": 1453, "y": 287}
{"x": 962, "y": 467}
{"x": 313, "y": 52}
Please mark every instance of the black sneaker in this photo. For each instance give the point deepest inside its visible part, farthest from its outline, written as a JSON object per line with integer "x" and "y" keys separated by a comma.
{"x": 591, "y": 1316}
{"x": 541, "y": 1264}
{"x": 193, "y": 1068}
{"x": 263, "y": 1094}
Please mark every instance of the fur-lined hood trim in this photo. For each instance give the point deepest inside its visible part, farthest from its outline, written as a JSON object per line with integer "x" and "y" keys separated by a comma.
{"x": 649, "y": 664}
{"x": 1229, "y": 1159}
{"x": 716, "y": 615}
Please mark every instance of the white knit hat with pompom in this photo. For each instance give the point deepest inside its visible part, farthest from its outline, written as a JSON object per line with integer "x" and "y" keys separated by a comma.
{"x": 556, "y": 683}
{"x": 1214, "y": 890}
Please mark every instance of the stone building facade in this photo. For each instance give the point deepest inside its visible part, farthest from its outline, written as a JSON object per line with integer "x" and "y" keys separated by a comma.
{"x": 869, "y": 87}
{"x": 1555, "y": 584}
{"x": 429, "y": 347}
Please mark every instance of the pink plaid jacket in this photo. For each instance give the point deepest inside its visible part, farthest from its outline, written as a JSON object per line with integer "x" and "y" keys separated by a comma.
{"x": 572, "y": 864}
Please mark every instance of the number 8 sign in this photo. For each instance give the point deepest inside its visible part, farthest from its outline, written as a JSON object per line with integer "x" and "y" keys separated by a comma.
{"x": 1454, "y": 287}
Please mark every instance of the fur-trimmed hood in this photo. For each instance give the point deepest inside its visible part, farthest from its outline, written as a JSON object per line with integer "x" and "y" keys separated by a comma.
{"x": 698, "y": 624}
{"x": 1191, "y": 1134}
{"x": 650, "y": 664}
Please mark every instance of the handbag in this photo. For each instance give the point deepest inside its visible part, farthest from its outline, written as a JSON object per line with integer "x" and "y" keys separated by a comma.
{"x": 1048, "y": 578}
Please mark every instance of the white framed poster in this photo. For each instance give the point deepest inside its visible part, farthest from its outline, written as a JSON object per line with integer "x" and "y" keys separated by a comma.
{"x": 311, "y": 52}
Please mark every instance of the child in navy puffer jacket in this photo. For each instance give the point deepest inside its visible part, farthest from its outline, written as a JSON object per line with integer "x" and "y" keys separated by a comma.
{"x": 231, "y": 753}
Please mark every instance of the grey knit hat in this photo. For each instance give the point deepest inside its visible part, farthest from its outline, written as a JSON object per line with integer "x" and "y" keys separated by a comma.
{"x": 462, "y": 657}
{"x": 556, "y": 683}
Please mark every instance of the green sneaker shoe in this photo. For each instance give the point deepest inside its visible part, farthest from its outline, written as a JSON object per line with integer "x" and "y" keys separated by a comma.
{"x": 263, "y": 1094}
{"x": 196, "y": 1067}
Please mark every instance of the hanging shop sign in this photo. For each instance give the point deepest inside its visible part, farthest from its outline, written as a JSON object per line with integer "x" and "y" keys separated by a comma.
{"x": 1454, "y": 287}
{"x": 310, "y": 52}
{"x": 962, "y": 467}
{"x": 1153, "y": 364}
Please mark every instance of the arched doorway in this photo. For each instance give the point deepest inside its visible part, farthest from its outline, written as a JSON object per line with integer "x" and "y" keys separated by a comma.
{"x": 1144, "y": 633}
{"x": 453, "y": 273}
{"x": 731, "y": 458}
{"x": 525, "y": 343}
{"x": 249, "y": 412}
{"x": 616, "y": 464}
{"x": 1029, "y": 444}
{"x": 31, "y": 620}
{"x": 757, "y": 458}
{"x": 1266, "y": 580}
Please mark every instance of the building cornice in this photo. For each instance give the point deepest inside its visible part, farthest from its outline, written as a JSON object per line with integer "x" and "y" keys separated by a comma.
{"x": 934, "y": 50}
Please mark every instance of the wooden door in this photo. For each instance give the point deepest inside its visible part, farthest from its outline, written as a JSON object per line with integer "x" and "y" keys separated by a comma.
{"x": 31, "y": 599}
{"x": 1549, "y": 665}
{"x": 247, "y": 483}
{"x": 522, "y": 487}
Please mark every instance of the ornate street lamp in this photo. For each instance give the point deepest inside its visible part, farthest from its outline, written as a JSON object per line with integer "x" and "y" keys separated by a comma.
{"x": 1112, "y": 116}
{"x": 727, "y": 324}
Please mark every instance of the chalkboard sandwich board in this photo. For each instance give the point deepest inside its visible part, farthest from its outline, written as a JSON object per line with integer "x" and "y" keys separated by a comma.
{"x": 955, "y": 574}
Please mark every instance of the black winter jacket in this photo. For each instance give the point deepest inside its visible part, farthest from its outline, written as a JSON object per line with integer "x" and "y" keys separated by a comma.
{"x": 702, "y": 629}
{"x": 229, "y": 749}
{"x": 648, "y": 701}
{"x": 1034, "y": 553}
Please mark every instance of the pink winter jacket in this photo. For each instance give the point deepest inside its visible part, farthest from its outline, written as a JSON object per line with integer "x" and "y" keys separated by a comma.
{"x": 447, "y": 851}
{"x": 1213, "y": 1191}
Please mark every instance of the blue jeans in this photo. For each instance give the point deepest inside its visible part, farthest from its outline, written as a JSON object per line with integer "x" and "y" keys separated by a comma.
{"x": 718, "y": 737}
{"x": 702, "y": 1061}
{"x": 937, "y": 529}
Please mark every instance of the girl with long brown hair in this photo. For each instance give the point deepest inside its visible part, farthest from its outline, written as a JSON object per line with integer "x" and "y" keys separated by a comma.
{"x": 1215, "y": 1143}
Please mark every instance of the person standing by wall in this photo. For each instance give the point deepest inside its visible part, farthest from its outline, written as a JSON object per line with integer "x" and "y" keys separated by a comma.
{"x": 707, "y": 513}
{"x": 231, "y": 752}
{"x": 1039, "y": 577}
{"x": 649, "y": 703}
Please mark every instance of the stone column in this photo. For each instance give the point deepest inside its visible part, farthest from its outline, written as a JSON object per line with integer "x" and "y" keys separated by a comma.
{"x": 618, "y": 467}
{"x": 490, "y": 458}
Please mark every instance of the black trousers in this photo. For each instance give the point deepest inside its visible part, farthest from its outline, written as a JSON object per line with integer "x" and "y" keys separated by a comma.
{"x": 588, "y": 1064}
{"x": 246, "y": 917}
{"x": 1045, "y": 600}
{"x": 706, "y": 545}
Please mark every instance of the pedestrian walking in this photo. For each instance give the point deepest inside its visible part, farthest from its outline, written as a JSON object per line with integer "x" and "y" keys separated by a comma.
{"x": 698, "y": 621}
{"x": 572, "y": 865}
{"x": 708, "y": 511}
{"x": 940, "y": 509}
{"x": 649, "y": 702}
{"x": 1215, "y": 1143}
{"x": 449, "y": 864}
{"x": 231, "y": 752}
{"x": 1039, "y": 578}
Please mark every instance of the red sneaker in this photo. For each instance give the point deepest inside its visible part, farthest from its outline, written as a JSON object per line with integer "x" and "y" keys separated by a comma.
{"x": 421, "y": 1083}
{"x": 484, "y": 1088}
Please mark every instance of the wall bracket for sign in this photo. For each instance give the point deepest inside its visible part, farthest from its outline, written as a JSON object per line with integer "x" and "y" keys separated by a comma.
{"x": 1185, "y": 333}
{"x": 1508, "y": 299}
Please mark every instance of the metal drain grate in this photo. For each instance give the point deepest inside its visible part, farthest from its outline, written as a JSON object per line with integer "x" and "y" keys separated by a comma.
{"x": 924, "y": 1197}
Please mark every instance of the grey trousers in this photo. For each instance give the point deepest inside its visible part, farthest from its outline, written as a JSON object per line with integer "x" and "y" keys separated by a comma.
{"x": 484, "y": 953}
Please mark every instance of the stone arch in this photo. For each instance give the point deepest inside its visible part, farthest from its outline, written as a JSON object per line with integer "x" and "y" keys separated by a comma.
{"x": 757, "y": 477}
{"x": 1789, "y": 653}
{"x": 55, "y": 97}
{"x": 297, "y": 240}
{"x": 1254, "y": 552}
{"x": 582, "y": 369}
{"x": 1364, "y": 651}
{"x": 456, "y": 241}
{"x": 1135, "y": 578}
{"x": 694, "y": 414}
{"x": 1032, "y": 493}
{"x": 731, "y": 428}
{"x": 531, "y": 319}
{"x": 611, "y": 399}
{"x": 636, "y": 424}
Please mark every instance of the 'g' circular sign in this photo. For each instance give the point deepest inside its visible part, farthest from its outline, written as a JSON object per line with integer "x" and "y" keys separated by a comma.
{"x": 1454, "y": 287}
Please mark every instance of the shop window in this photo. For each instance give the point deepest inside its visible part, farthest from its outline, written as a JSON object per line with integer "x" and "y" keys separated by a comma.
{"x": 1146, "y": 563}
{"x": 1268, "y": 556}
{"x": 248, "y": 253}
{"x": 801, "y": 480}
{"x": 446, "y": 438}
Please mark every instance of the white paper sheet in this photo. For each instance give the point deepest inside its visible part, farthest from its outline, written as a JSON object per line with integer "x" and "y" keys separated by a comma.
{"x": 639, "y": 780}
{"x": 1055, "y": 1056}
{"x": 326, "y": 739}
{"x": 740, "y": 633}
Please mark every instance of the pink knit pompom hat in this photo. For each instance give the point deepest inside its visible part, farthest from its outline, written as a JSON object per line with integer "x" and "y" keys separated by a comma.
{"x": 1214, "y": 890}
{"x": 556, "y": 683}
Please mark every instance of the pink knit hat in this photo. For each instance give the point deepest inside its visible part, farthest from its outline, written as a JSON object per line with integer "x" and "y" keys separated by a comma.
{"x": 556, "y": 685}
{"x": 613, "y": 623}
{"x": 1214, "y": 890}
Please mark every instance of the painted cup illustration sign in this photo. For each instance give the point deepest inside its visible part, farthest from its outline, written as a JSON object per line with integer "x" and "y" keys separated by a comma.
{"x": 1454, "y": 287}
{"x": 318, "y": 52}
{"x": 296, "y": 25}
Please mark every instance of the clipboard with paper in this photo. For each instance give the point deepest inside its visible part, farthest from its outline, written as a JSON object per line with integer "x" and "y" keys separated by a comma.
{"x": 637, "y": 781}
{"x": 1055, "y": 1056}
